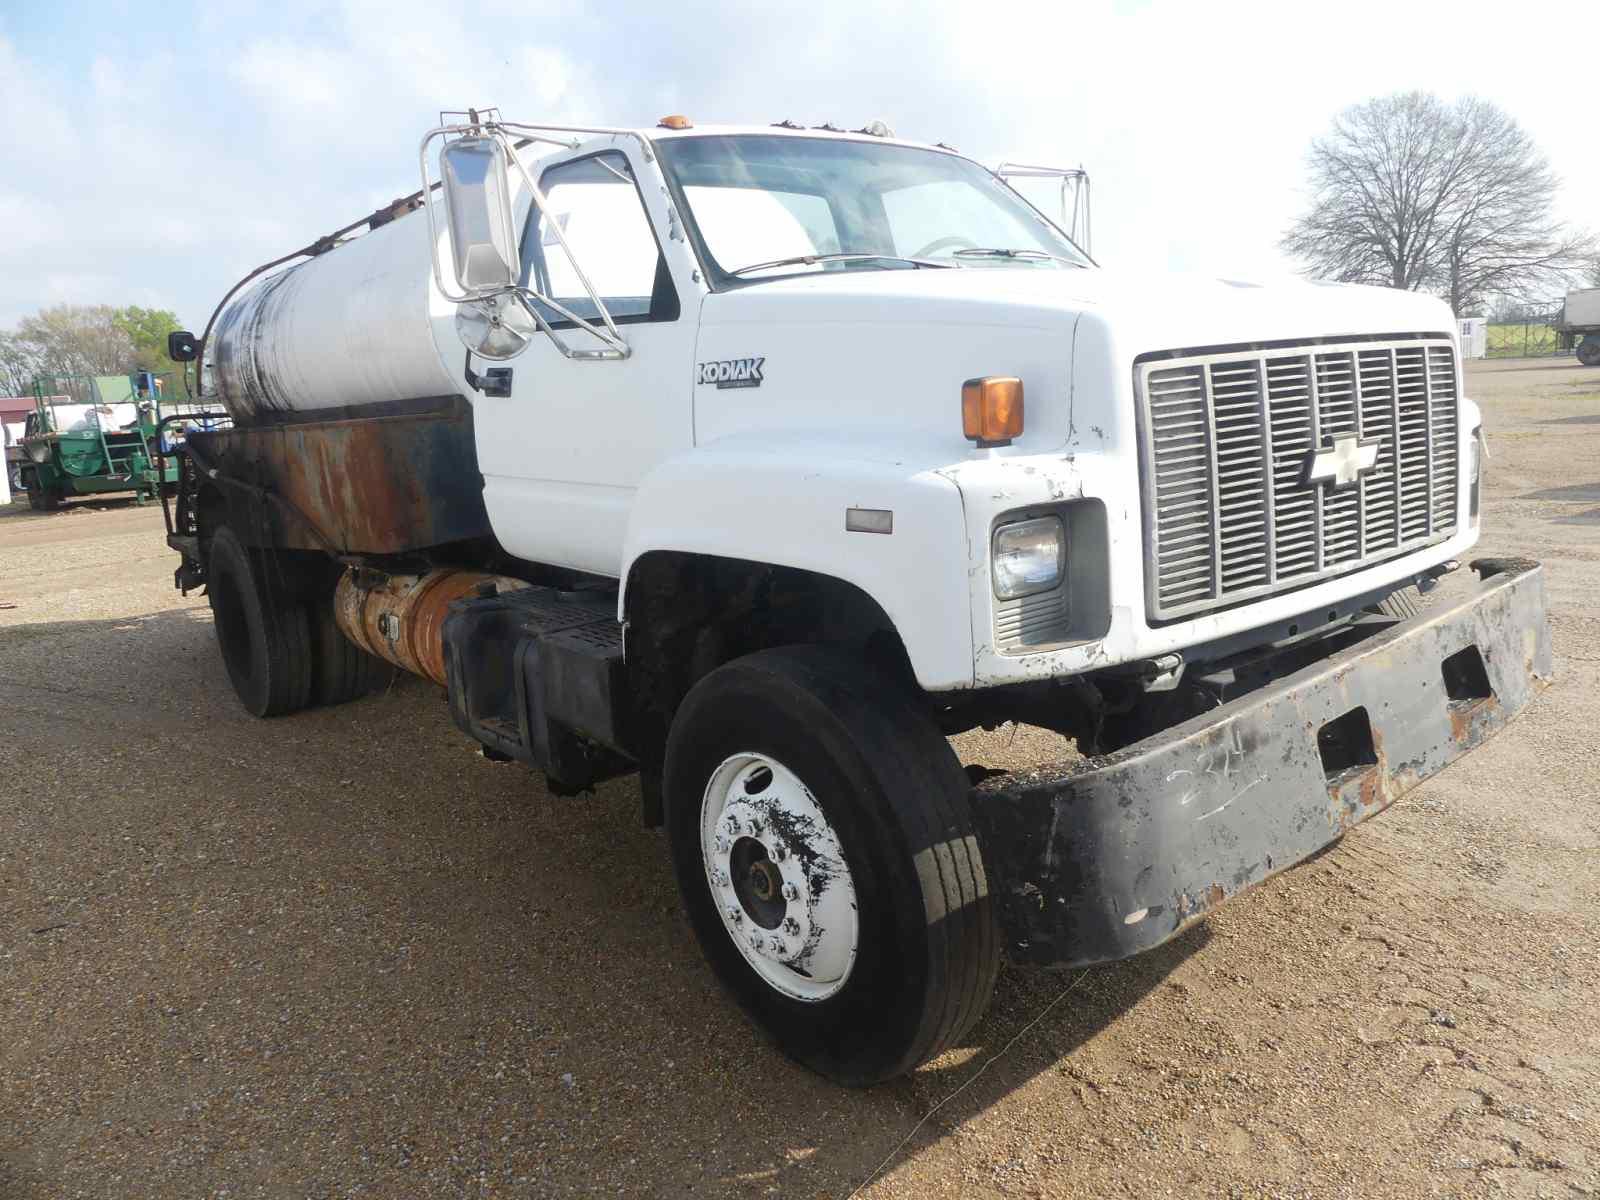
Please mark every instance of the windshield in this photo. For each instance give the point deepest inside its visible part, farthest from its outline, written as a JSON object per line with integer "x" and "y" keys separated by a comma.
{"x": 768, "y": 206}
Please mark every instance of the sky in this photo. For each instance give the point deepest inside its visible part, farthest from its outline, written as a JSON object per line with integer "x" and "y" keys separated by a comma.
{"x": 153, "y": 154}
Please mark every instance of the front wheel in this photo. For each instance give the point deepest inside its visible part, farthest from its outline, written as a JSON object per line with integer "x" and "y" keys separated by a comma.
{"x": 822, "y": 840}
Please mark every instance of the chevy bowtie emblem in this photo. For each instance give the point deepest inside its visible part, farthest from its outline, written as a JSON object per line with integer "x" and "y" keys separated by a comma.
{"x": 1341, "y": 463}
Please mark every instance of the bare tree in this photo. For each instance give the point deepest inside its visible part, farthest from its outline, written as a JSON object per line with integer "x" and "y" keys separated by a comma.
{"x": 74, "y": 339}
{"x": 1411, "y": 192}
{"x": 18, "y": 365}
{"x": 78, "y": 339}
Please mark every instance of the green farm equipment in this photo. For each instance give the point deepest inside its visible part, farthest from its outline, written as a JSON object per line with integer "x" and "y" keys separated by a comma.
{"x": 96, "y": 434}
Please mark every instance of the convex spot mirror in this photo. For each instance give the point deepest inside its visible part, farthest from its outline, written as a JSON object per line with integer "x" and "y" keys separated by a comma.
{"x": 497, "y": 327}
{"x": 477, "y": 200}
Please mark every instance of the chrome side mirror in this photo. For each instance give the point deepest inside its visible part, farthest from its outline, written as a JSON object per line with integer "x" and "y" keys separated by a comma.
{"x": 476, "y": 182}
{"x": 497, "y": 315}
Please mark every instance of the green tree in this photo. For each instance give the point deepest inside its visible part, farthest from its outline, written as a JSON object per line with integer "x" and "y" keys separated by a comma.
{"x": 76, "y": 339}
{"x": 147, "y": 330}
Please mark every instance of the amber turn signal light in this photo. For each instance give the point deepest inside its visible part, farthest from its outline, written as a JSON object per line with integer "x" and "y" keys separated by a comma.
{"x": 991, "y": 409}
{"x": 676, "y": 121}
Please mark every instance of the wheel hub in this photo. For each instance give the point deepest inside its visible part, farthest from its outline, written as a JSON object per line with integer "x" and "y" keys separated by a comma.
{"x": 764, "y": 880}
{"x": 778, "y": 876}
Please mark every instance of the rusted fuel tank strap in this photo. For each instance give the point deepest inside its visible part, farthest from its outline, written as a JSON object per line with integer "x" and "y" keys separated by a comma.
{"x": 400, "y": 618}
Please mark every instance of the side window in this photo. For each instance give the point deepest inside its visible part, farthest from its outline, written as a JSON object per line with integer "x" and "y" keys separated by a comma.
{"x": 597, "y": 205}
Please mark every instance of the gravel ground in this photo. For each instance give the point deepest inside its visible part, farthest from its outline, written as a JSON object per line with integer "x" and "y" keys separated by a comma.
{"x": 342, "y": 954}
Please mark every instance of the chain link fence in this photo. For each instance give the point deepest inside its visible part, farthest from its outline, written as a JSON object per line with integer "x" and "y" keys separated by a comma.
{"x": 1524, "y": 339}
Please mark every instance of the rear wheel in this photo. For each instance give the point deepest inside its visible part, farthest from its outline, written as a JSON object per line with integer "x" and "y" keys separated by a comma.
{"x": 1589, "y": 351}
{"x": 262, "y": 629}
{"x": 341, "y": 670}
{"x": 43, "y": 499}
{"x": 822, "y": 840}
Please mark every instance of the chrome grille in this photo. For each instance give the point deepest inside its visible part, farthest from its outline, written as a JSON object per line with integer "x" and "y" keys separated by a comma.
{"x": 1226, "y": 440}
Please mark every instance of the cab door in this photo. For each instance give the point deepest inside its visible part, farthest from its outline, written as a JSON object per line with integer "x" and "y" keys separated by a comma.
{"x": 563, "y": 455}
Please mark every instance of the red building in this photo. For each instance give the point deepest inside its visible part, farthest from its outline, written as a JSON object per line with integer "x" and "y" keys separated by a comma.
{"x": 14, "y": 408}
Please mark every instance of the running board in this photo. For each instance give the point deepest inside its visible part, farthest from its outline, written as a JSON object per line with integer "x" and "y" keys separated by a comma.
{"x": 536, "y": 675}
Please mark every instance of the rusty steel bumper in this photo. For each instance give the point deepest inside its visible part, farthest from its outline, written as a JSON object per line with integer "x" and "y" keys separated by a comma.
{"x": 1097, "y": 860}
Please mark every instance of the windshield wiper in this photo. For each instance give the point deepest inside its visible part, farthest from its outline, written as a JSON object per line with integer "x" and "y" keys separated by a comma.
{"x": 808, "y": 259}
{"x": 1000, "y": 252}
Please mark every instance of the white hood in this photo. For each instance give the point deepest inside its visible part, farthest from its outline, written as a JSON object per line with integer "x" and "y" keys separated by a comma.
{"x": 908, "y": 338}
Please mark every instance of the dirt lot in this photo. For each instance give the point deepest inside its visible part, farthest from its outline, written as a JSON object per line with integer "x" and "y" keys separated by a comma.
{"x": 342, "y": 954}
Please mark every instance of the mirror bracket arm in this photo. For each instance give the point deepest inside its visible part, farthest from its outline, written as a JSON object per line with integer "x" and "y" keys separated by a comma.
{"x": 614, "y": 346}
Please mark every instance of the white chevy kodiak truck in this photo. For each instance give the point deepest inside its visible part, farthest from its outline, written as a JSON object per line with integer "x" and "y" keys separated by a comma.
{"x": 759, "y": 460}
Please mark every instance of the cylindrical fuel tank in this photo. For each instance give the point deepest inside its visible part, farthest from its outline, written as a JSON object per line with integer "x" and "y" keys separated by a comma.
{"x": 400, "y": 618}
{"x": 348, "y": 329}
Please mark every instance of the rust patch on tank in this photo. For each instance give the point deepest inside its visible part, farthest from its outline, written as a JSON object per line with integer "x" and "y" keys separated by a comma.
{"x": 370, "y": 485}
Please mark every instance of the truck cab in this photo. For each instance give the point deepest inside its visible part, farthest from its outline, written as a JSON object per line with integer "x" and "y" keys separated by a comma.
{"x": 760, "y": 459}
{"x": 753, "y": 356}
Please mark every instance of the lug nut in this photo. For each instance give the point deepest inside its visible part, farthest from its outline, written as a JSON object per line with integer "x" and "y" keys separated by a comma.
{"x": 719, "y": 877}
{"x": 777, "y": 946}
{"x": 790, "y": 892}
{"x": 780, "y": 852}
{"x": 736, "y": 914}
{"x": 755, "y": 942}
{"x": 756, "y": 827}
{"x": 723, "y": 845}
{"x": 791, "y": 926}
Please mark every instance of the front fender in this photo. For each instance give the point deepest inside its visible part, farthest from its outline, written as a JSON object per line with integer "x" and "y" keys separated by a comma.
{"x": 752, "y": 500}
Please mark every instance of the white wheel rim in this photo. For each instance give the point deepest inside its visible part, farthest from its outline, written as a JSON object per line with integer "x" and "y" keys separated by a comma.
{"x": 778, "y": 877}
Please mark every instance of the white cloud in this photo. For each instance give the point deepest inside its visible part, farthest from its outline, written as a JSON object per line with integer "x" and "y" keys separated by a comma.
{"x": 296, "y": 82}
{"x": 289, "y": 119}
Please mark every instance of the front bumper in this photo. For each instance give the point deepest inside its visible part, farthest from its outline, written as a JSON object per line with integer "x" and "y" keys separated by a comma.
{"x": 1097, "y": 860}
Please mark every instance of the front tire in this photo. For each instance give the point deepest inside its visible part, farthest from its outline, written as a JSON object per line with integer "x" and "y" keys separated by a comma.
{"x": 822, "y": 840}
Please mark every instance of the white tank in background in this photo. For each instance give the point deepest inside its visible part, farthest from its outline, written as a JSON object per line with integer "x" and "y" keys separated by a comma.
{"x": 1474, "y": 333}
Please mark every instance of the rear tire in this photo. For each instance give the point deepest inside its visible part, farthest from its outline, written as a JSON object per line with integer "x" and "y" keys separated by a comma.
{"x": 879, "y": 786}
{"x": 1589, "y": 351}
{"x": 262, "y": 630}
{"x": 342, "y": 671}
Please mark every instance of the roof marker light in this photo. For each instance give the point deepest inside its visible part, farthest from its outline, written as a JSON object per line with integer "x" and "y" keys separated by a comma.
{"x": 676, "y": 121}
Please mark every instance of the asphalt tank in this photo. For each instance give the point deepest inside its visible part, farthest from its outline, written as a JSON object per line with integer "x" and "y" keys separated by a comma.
{"x": 351, "y": 434}
{"x": 346, "y": 333}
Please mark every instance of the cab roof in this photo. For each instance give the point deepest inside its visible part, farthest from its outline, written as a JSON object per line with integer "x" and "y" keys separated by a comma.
{"x": 659, "y": 133}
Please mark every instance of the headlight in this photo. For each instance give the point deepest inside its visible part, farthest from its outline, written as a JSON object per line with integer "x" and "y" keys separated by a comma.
{"x": 1028, "y": 557}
